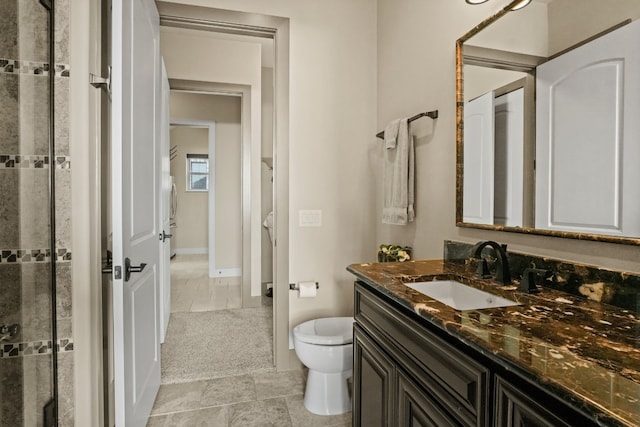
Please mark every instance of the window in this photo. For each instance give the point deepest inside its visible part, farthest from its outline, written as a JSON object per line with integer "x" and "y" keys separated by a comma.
{"x": 197, "y": 172}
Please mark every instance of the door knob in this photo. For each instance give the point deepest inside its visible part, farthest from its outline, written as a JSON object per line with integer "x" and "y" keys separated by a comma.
{"x": 164, "y": 236}
{"x": 128, "y": 268}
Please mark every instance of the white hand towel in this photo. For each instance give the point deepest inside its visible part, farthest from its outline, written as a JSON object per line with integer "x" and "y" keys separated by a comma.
{"x": 398, "y": 179}
{"x": 391, "y": 134}
{"x": 411, "y": 214}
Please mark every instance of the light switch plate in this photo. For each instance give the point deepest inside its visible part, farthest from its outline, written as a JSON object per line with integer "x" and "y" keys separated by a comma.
{"x": 310, "y": 218}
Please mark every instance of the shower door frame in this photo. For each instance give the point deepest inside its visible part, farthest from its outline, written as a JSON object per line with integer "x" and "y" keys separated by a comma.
{"x": 27, "y": 338}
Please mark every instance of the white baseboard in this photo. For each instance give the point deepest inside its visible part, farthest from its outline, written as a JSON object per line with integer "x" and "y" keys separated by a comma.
{"x": 192, "y": 251}
{"x": 226, "y": 272}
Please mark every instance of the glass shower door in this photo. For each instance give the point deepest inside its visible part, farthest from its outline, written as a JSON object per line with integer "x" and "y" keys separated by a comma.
{"x": 27, "y": 254}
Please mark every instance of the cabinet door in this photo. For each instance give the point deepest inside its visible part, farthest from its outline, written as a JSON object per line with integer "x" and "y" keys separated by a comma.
{"x": 459, "y": 382}
{"x": 373, "y": 383}
{"x": 416, "y": 409}
{"x": 516, "y": 409}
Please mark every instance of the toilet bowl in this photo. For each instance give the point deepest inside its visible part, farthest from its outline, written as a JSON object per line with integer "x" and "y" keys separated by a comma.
{"x": 325, "y": 346}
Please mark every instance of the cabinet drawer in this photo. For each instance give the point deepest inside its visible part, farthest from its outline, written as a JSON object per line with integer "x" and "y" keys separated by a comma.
{"x": 452, "y": 377}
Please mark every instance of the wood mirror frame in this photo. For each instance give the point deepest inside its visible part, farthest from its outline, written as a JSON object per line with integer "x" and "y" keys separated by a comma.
{"x": 460, "y": 155}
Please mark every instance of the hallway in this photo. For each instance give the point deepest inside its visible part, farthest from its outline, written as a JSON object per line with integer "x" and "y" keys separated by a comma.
{"x": 217, "y": 367}
{"x": 210, "y": 335}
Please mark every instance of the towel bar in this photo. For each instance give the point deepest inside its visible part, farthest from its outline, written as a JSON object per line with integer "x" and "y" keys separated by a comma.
{"x": 431, "y": 114}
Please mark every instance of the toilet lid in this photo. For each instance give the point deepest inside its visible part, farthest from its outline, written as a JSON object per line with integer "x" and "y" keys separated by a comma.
{"x": 326, "y": 331}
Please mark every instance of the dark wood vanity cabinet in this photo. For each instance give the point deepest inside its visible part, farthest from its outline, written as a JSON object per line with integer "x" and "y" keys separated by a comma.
{"x": 376, "y": 375}
{"x": 514, "y": 408}
{"x": 386, "y": 396}
{"x": 416, "y": 408}
{"x": 406, "y": 373}
{"x": 406, "y": 376}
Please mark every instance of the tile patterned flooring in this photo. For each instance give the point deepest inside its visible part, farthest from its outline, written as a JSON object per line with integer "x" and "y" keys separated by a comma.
{"x": 268, "y": 399}
{"x": 247, "y": 399}
{"x": 193, "y": 291}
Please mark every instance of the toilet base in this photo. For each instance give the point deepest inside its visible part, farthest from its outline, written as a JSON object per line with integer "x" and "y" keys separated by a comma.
{"x": 327, "y": 394}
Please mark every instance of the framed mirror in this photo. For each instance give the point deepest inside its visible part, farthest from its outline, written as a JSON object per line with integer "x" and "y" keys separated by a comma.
{"x": 548, "y": 135}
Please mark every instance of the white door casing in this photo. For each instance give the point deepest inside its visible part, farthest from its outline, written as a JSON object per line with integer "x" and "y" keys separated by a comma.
{"x": 135, "y": 221}
{"x": 587, "y": 137}
{"x": 165, "y": 208}
{"x": 478, "y": 172}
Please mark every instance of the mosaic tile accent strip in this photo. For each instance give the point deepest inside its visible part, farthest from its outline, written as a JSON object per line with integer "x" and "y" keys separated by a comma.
{"x": 23, "y": 349}
{"x": 64, "y": 345}
{"x": 12, "y": 66}
{"x": 63, "y": 162}
{"x": 17, "y": 161}
{"x": 25, "y": 256}
{"x": 34, "y": 348}
{"x": 63, "y": 254}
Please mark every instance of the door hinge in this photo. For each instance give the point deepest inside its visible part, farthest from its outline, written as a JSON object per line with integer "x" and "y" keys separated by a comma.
{"x": 101, "y": 82}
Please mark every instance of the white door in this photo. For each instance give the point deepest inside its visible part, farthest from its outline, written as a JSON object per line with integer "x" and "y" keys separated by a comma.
{"x": 135, "y": 221}
{"x": 166, "y": 188}
{"x": 587, "y": 137}
{"x": 509, "y": 159}
{"x": 478, "y": 171}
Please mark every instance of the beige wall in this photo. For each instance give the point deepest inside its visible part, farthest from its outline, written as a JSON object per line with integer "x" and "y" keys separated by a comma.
{"x": 594, "y": 14}
{"x": 522, "y": 31}
{"x": 429, "y": 82}
{"x": 192, "y": 229}
{"x": 225, "y": 111}
{"x": 332, "y": 135}
{"x": 334, "y": 100}
{"x": 335, "y": 158}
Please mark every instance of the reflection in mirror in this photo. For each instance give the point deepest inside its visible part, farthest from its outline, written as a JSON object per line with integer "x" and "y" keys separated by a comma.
{"x": 546, "y": 116}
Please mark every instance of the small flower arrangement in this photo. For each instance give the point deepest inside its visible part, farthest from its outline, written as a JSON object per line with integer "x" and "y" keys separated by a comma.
{"x": 392, "y": 253}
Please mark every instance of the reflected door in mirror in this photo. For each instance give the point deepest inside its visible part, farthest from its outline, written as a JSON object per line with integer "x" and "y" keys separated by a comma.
{"x": 587, "y": 146}
{"x": 493, "y": 153}
{"x": 479, "y": 160}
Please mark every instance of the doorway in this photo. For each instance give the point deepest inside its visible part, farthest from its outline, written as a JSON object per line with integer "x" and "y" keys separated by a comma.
{"x": 88, "y": 328}
{"x": 174, "y": 16}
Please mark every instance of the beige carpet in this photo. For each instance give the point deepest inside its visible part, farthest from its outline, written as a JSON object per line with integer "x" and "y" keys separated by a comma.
{"x": 215, "y": 344}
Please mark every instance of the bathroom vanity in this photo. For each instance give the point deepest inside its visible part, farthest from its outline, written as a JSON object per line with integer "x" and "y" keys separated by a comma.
{"x": 552, "y": 360}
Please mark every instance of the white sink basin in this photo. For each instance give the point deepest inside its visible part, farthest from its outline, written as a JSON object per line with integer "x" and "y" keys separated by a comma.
{"x": 460, "y": 296}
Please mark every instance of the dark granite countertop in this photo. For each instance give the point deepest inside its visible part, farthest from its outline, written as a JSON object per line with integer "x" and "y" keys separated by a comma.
{"x": 584, "y": 351}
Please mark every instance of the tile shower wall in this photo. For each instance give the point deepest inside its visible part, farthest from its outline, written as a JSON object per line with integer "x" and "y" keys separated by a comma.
{"x": 25, "y": 371}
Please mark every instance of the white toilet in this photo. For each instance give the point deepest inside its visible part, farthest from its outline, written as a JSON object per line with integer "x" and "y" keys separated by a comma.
{"x": 325, "y": 346}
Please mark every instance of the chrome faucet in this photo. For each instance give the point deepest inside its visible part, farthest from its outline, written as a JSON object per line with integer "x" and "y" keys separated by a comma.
{"x": 503, "y": 274}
